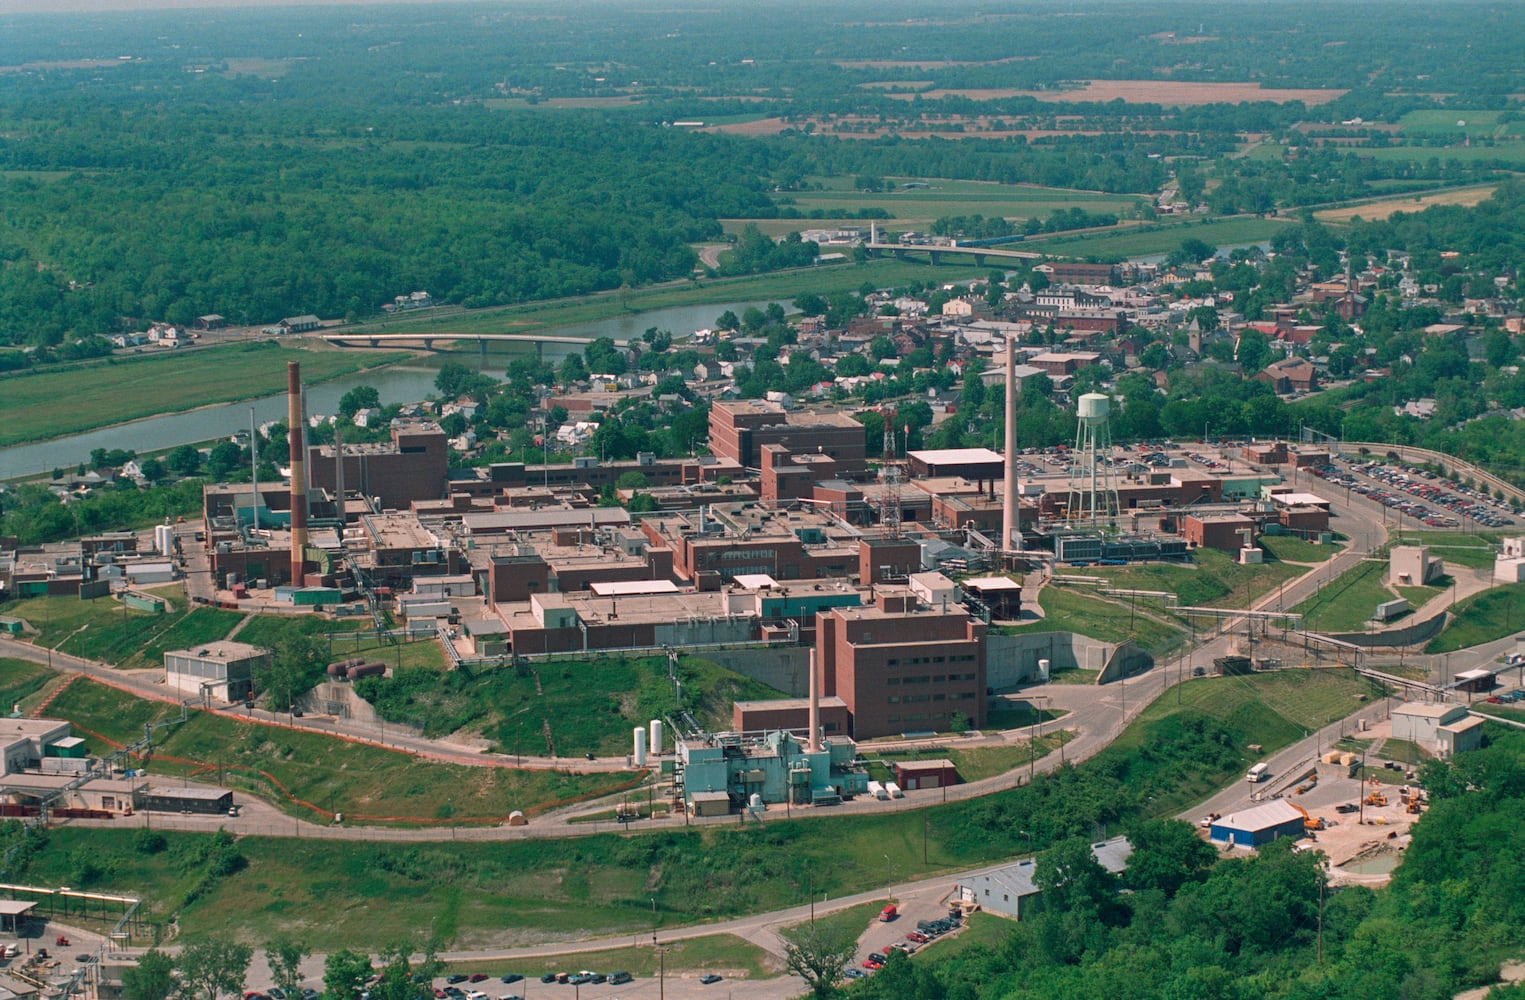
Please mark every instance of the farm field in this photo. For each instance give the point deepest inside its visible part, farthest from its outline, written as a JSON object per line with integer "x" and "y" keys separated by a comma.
{"x": 1373, "y": 211}
{"x": 1178, "y": 93}
{"x": 1457, "y": 122}
{"x": 1158, "y": 240}
{"x": 122, "y": 389}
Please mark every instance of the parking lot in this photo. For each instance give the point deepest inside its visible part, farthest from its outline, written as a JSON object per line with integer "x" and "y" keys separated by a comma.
{"x": 1422, "y": 495}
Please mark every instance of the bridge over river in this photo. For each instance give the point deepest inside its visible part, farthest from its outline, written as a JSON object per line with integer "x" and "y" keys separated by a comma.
{"x": 428, "y": 340}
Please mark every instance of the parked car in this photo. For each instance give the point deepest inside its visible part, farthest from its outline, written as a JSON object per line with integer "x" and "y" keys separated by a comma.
{"x": 549, "y": 977}
{"x": 456, "y": 977}
{"x": 710, "y": 977}
{"x": 851, "y": 973}
{"x": 478, "y": 977}
{"x": 873, "y": 963}
{"x": 511, "y": 977}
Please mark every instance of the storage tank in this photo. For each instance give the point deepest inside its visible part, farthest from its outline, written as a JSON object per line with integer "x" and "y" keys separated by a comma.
{"x": 656, "y": 737}
{"x": 375, "y": 668}
{"x": 1043, "y": 666}
{"x": 1093, "y": 408}
{"x": 755, "y": 803}
{"x": 639, "y": 735}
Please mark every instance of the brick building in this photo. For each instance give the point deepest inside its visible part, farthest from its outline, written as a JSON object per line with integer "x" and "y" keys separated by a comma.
{"x": 900, "y": 668}
{"x": 414, "y": 465}
{"x": 740, "y": 428}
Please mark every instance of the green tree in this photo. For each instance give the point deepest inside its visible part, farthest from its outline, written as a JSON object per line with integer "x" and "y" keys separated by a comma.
{"x": 154, "y": 470}
{"x": 811, "y": 304}
{"x": 727, "y": 321}
{"x": 817, "y": 954}
{"x": 361, "y": 397}
{"x": 152, "y": 978}
{"x": 344, "y": 974}
{"x": 224, "y": 458}
{"x": 297, "y": 665}
{"x": 213, "y": 967}
{"x": 285, "y": 956}
{"x": 184, "y": 460}
{"x": 1253, "y": 351}
{"x": 1166, "y": 855}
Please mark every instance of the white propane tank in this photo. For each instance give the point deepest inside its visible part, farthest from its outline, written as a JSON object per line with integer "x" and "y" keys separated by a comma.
{"x": 656, "y": 737}
{"x": 639, "y": 735}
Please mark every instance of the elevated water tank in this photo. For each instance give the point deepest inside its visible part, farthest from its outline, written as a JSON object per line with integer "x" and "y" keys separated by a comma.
{"x": 1093, "y": 408}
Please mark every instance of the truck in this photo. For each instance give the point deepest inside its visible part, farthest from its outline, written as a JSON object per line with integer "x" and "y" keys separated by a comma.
{"x": 889, "y": 913}
{"x": 893, "y": 790}
{"x": 1260, "y": 772}
{"x": 877, "y": 790}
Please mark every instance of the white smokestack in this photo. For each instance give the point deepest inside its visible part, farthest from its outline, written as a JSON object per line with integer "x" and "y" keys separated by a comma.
{"x": 814, "y": 744}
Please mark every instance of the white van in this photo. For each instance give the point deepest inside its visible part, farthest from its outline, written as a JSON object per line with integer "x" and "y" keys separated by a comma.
{"x": 1259, "y": 772}
{"x": 877, "y": 790}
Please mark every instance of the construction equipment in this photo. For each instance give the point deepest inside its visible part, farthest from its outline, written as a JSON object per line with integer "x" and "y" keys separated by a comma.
{"x": 1376, "y": 799}
{"x": 1310, "y": 823}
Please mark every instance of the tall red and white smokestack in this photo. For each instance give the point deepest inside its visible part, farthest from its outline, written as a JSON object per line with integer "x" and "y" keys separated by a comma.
{"x": 294, "y": 439}
{"x": 1011, "y": 532}
{"x": 814, "y": 743}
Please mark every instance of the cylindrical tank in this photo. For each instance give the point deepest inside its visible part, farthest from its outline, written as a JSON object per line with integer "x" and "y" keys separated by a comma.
{"x": 656, "y": 737}
{"x": 1043, "y": 666}
{"x": 639, "y": 735}
{"x": 1093, "y": 408}
{"x": 755, "y": 802}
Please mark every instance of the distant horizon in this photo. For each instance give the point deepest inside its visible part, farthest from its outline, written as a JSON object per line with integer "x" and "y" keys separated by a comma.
{"x": 129, "y": 6}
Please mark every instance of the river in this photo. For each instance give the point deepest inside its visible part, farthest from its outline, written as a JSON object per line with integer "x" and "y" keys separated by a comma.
{"x": 402, "y": 383}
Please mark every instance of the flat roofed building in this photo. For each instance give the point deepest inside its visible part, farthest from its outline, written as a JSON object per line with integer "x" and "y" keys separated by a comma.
{"x": 1259, "y": 825}
{"x": 740, "y": 428}
{"x": 1012, "y": 891}
{"x": 219, "y": 671}
{"x": 970, "y": 463}
{"x": 902, "y": 669}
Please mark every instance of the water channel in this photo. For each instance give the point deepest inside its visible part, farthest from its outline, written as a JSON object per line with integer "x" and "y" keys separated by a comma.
{"x": 401, "y": 383}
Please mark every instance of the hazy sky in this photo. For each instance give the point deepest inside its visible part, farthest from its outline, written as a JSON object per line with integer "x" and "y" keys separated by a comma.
{"x": 54, "y": 6}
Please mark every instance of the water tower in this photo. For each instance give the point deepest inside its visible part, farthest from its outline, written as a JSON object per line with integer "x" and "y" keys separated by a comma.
{"x": 1093, "y": 492}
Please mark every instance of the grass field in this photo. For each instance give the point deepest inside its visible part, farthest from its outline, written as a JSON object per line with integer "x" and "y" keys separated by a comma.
{"x": 1213, "y": 580}
{"x": 122, "y": 389}
{"x": 783, "y": 287}
{"x": 1508, "y": 151}
{"x": 1458, "y": 122}
{"x": 22, "y": 682}
{"x": 1475, "y": 551}
{"x": 1290, "y": 548}
{"x": 474, "y": 894}
{"x": 315, "y": 775}
{"x": 1492, "y": 614}
{"x": 1270, "y": 710}
{"x": 918, "y": 207}
{"x": 1150, "y": 240}
{"x": 346, "y": 638}
{"x": 1349, "y": 601}
{"x": 579, "y": 706}
{"x": 1071, "y": 610}
{"x": 100, "y": 629}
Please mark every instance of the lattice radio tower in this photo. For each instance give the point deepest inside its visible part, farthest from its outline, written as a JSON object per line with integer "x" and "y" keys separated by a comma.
{"x": 889, "y": 475}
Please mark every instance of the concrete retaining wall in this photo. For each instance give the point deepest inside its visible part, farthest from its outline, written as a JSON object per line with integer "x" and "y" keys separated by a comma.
{"x": 786, "y": 668}
{"x": 1408, "y": 635}
{"x": 1012, "y": 660}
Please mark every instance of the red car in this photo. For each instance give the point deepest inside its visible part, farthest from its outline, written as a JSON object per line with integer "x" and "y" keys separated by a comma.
{"x": 916, "y": 936}
{"x": 479, "y": 977}
{"x": 873, "y": 964}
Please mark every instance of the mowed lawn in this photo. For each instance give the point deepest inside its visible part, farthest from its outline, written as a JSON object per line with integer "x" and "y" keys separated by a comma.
{"x": 313, "y": 775}
{"x": 32, "y": 406}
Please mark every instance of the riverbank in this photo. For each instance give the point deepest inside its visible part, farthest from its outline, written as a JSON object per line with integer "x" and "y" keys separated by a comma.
{"x": 47, "y": 405}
